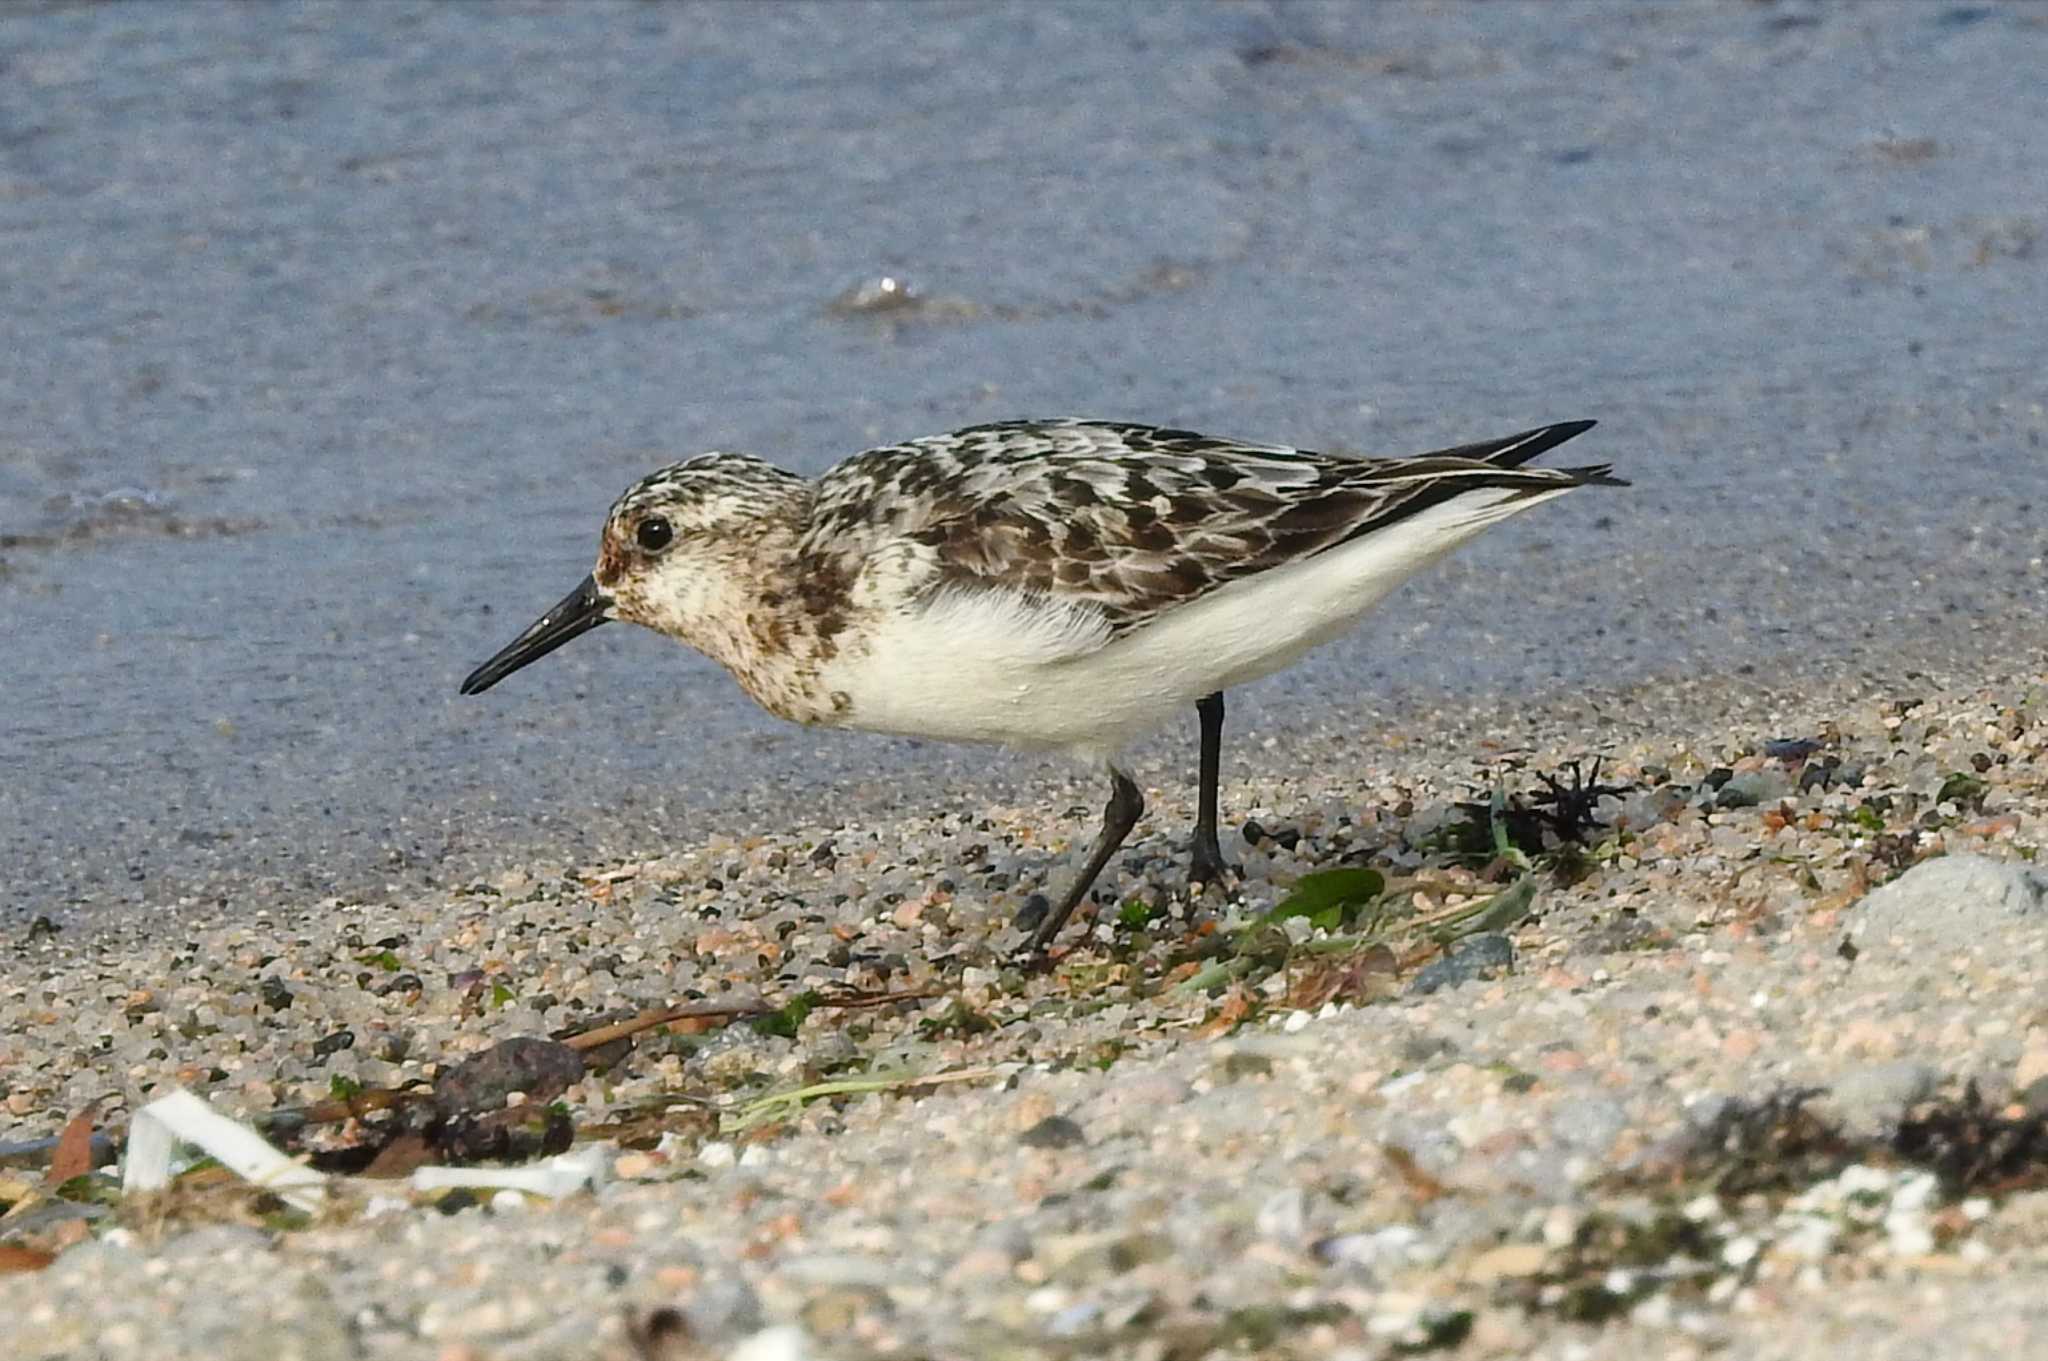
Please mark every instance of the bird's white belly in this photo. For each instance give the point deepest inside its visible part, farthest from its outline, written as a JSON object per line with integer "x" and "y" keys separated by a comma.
{"x": 1031, "y": 672}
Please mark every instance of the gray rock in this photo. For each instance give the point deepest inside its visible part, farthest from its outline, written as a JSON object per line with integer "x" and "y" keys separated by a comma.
{"x": 1754, "y": 787}
{"x": 724, "y": 1306}
{"x": 1473, "y": 957}
{"x": 1589, "y": 1124}
{"x": 1870, "y": 1101}
{"x": 1951, "y": 902}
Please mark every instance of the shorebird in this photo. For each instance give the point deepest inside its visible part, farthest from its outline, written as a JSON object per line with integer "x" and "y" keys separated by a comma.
{"x": 1058, "y": 584}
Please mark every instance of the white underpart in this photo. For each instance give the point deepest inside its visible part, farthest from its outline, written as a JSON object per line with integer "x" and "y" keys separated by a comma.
{"x": 1032, "y": 671}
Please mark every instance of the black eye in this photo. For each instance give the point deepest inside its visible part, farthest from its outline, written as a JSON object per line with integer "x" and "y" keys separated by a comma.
{"x": 654, "y": 533}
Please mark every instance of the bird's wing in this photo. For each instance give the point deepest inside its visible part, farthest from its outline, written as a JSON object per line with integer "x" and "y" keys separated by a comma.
{"x": 1127, "y": 520}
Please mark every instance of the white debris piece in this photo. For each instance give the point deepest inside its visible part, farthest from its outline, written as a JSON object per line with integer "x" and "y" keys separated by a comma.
{"x": 562, "y": 1175}
{"x": 182, "y": 1118}
{"x": 774, "y": 1344}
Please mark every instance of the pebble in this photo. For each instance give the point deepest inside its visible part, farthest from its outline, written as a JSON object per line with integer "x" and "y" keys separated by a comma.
{"x": 1950, "y": 902}
{"x": 1872, "y": 1099}
{"x": 1472, "y": 958}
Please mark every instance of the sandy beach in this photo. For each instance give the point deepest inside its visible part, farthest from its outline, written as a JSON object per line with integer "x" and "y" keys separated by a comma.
{"x": 1577, "y": 1132}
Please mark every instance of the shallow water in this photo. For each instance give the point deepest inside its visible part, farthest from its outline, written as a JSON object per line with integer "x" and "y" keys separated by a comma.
{"x": 332, "y": 330}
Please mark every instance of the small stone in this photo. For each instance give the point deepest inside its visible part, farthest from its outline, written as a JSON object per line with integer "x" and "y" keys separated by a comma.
{"x": 1472, "y": 958}
{"x": 1237, "y": 1064}
{"x": 1871, "y": 1100}
{"x": 1507, "y": 1262}
{"x": 1951, "y": 902}
{"x": 1055, "y": 1131}
{"x": 542, "y": 1069}
{"x": 1032, "y": 913}
{"x": 722, "y": 1306}
{"x": 1752, "y": 788}
{"x": 327, "y": 1046}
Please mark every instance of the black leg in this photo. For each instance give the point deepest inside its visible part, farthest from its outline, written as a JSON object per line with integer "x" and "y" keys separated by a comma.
{"x": 1118, "y": 817}
{"x": 1205, "y": 865}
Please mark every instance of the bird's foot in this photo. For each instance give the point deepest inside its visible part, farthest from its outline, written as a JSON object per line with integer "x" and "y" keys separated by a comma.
{"x": 1208, "y": 869}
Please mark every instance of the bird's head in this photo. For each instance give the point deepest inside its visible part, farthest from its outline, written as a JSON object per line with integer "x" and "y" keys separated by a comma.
{"x": 668, "y": 544}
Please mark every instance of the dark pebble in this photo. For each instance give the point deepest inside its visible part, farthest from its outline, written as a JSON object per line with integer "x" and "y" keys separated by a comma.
{"x": 1288, "y": 837}
{"x": 543, "y": 1069}
{"x": 1718, "y": 776}
{"x": 274, "y": 993}
{"x": 403, "y": 982}
{"x": 1254, "y": 831}
{"x": 327, "y": 1046}
{"x": 1478, "y": 956}
{"x": 1791, "y": 748}
{"x": 1055, "y": 1131}
{"x": 1032, "y": 913}
{"x": 1423, "y": 1048}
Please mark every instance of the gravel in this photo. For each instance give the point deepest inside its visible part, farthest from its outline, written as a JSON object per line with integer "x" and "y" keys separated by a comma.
{"x": 1570, "y": 1147}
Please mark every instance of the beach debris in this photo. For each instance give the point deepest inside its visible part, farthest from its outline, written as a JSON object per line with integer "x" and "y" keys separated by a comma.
{"x": 555, "y": 1177}
{"x": 877, "y": 293}
{"x": 783, "y": 1343}
{"x": 694, "y": 1016}
{"x": 503, "y": 1104}
{"x": 72, "y": 1156}
{"x": 21, "y": 1257}
{"x": 157, "y": 1130}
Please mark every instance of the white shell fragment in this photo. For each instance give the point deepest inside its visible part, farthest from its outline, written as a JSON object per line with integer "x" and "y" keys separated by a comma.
{"x": 182, "y": 1118}
{"x": 564, "y": 1174}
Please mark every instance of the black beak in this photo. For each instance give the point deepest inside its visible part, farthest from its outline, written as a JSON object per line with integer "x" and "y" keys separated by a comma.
{"x": 582, "y": 610}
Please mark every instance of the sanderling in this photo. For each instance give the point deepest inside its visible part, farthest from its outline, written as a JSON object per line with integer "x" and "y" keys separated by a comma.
{"x": 1062, "y": 584}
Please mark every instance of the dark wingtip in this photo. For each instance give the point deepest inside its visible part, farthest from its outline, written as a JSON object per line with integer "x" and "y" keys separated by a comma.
{"x": 1597, "y": 475}
{"x": 1515, "y": 450}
